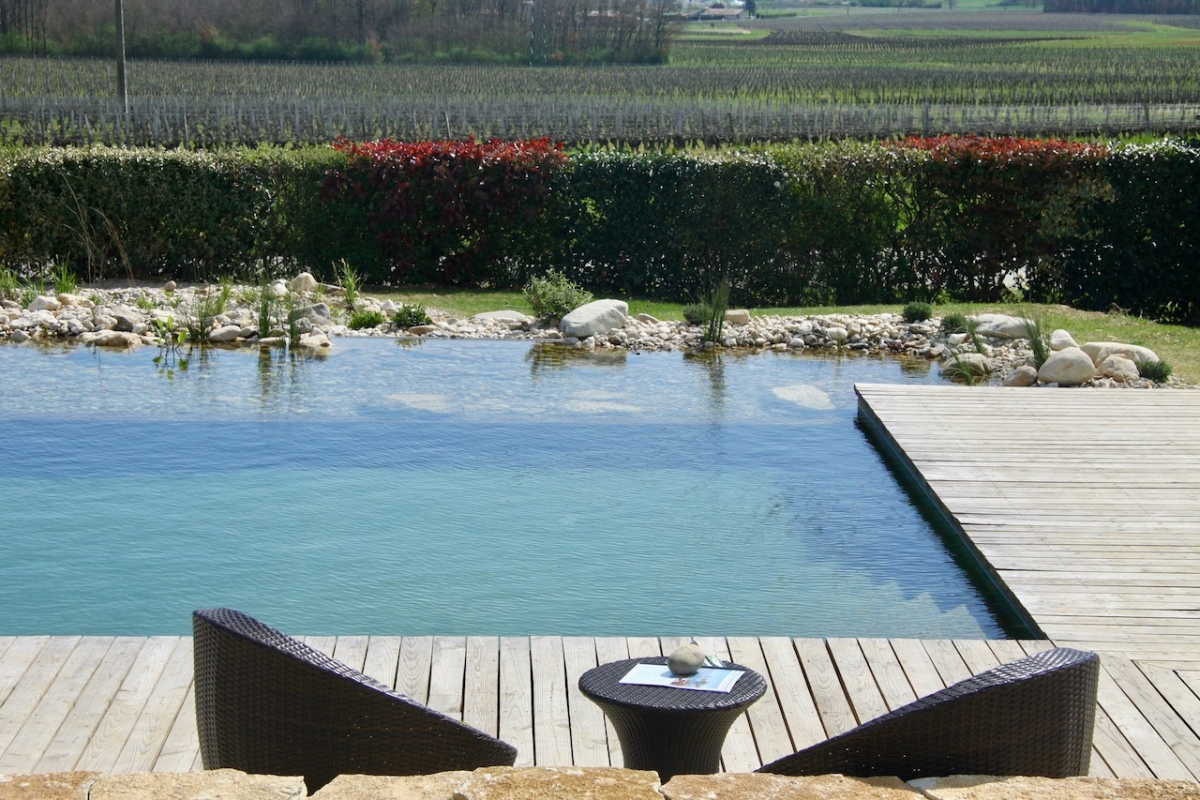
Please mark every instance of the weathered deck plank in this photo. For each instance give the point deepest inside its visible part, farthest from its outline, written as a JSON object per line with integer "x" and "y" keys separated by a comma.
{"x": 126, "y": 704}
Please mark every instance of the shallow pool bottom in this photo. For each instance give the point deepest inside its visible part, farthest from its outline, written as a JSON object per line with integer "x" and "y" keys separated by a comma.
{"x": 462, "y": 488}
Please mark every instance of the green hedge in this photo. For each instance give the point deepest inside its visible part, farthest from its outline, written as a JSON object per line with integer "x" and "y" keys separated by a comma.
{"x": 788, "y": 225}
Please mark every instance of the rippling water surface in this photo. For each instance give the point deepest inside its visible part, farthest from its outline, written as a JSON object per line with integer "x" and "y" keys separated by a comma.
{"x": 461, "y": 488}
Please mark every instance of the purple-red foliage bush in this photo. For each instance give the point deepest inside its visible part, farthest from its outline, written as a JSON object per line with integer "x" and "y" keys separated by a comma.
{"x": 449, "y": 212}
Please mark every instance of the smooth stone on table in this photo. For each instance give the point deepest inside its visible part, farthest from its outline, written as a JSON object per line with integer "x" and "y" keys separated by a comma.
{"x": 596, "y": 317}
{"x": 686, "y": 659}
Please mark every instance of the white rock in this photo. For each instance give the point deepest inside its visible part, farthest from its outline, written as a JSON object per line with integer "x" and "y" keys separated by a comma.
{"x": 977, "y": 364}
{"x": 126, "y": 318}
{"x": 501, "y": 316}
{"x": 74, "y": 300}
{"x": 1002, "y": 326}
{"x": 315, "y": 341}
{"x": 304, "y": 282}
{"x": 598, "y": 316}
{"x": 117, "y": 339}
{"x": 738, "y": 316}
{"x": 225, "y": 333}
{"x": 1069, "y": 367}
{"x": 1135, "y": 353}
{"x": 44, "y": 303}
{"x": 1118, "y": 368}
{"x": 19, "y": 336}
{"x": 647, "y": 318}
{"x": 279, "y": 289}
{"x": 1024, "y": 375}
{"x": 836, "y": 334}
{"x": 1061, "y": 340}
{"x": 169, "y": 287}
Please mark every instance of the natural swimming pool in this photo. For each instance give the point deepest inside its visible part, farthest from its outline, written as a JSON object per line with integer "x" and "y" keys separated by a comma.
{"x": 459, "y": 488}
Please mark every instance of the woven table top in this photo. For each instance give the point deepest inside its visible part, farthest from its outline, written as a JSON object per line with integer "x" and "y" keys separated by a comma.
{"x": 602, "y": 683}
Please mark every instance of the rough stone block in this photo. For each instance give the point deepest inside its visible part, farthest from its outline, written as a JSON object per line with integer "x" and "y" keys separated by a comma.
{"x": 554, "y": 783}
{"x": 217, "y": 784}
{"x": 990, "y": 787}
{"x": 761, "y": 786}
{"x": 55, "y": 786}
{"x": 387, "y": 787}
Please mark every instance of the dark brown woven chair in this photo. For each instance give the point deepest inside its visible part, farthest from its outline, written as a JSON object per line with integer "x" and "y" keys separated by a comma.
{"x": 269, "y": 704}
{"x": 1031, "y": 717}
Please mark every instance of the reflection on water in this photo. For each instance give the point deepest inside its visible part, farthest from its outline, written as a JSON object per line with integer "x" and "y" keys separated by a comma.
{"x": 460, "y": 488}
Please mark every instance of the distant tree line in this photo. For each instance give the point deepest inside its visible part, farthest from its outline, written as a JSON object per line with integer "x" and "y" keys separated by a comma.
{"x": 500, "y": 31}
{"x": 1124, "y": 6}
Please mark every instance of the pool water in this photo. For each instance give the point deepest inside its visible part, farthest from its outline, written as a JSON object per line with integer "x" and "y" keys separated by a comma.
{"x": 462, "y": 488}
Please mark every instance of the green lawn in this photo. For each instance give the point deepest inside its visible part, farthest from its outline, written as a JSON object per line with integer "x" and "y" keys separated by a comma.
{"x": 1176, "y": 344}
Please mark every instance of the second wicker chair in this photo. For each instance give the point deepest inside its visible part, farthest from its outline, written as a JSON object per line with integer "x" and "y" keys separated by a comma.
{"x": 267, "y": 703}
{"x": 1030, "y": 717}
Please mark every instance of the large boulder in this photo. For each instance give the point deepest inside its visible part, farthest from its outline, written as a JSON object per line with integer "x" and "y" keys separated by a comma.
{"x": 1118, "y": 368}
{"x": 1061, "y": 340}
{"x": 596, "y": 317}
{"x": 1069, "y": 367}
{"x": 1135, "y": 353}
{"x": 44, "y": 303}
{"x": 762, "y": 786}
{"x": 1002, "y": 326}
{"x": 302, "y": 283}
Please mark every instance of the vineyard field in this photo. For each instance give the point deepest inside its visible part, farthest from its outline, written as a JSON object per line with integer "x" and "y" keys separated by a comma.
{"x": 809, "y": 77}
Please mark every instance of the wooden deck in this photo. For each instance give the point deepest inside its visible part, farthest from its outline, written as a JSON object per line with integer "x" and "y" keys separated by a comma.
{"x": 125, "y": 704}
{"x": 1083, "y": 505}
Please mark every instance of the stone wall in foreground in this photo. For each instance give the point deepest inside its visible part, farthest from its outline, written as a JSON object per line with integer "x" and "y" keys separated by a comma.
{"x": 577, "y": 783}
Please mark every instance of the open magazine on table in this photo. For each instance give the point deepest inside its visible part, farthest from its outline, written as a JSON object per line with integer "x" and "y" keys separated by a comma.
{"x": 708, "y": 679}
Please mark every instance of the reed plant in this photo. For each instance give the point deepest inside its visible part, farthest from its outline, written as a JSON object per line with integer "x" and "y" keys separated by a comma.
{"x": 10, "y": 284}
{"x": 717, "y": 304}
{"x": 1039, "y": 340}
{"x": 349, "y": 280}
{"x": 1157, "y": 371}
{"x": 64, "y": 280}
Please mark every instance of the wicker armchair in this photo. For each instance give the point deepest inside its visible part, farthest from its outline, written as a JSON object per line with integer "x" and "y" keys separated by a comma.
{"x": 1031, "y": 717}
{"x": 267, "y": 703}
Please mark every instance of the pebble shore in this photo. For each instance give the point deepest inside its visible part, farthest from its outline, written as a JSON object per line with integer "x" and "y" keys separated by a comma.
{"x": 146, "y": 316}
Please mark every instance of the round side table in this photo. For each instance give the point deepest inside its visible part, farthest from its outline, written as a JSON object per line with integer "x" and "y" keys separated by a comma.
{"x": 673, "y": 731}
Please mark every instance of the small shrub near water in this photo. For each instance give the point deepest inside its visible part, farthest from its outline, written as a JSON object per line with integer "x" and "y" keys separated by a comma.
{"x": 954, "y": 323}
{"x": 366, "y": 319}
{"x": 917, "y": 312}
{"x": 554, "y": 296}
{"x": 64, "y": 280}
{"x": 696, "y": 313}
{"x": 410, "y": 315}
{"x": 1157, "y": 371}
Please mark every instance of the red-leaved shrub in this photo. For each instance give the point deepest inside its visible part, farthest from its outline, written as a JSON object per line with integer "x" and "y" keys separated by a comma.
{"x": 444, "y": 211}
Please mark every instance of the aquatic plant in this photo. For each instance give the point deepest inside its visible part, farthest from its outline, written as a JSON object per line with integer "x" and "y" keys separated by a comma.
{"x": 408, "y": 315}
{"x": 349, "y": 281}
{"x": 1039, "y": 341}
{"x": 717, "y": 303}
{"x": 366, "y": 319}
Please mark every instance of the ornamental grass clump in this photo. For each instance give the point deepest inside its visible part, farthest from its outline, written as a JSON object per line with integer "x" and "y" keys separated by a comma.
{"x": 1157, "y": 371}
{"x": 954, "y": 323}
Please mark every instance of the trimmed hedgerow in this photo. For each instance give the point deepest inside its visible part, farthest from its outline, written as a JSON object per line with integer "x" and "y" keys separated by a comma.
{"x": 917, "y": 220}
